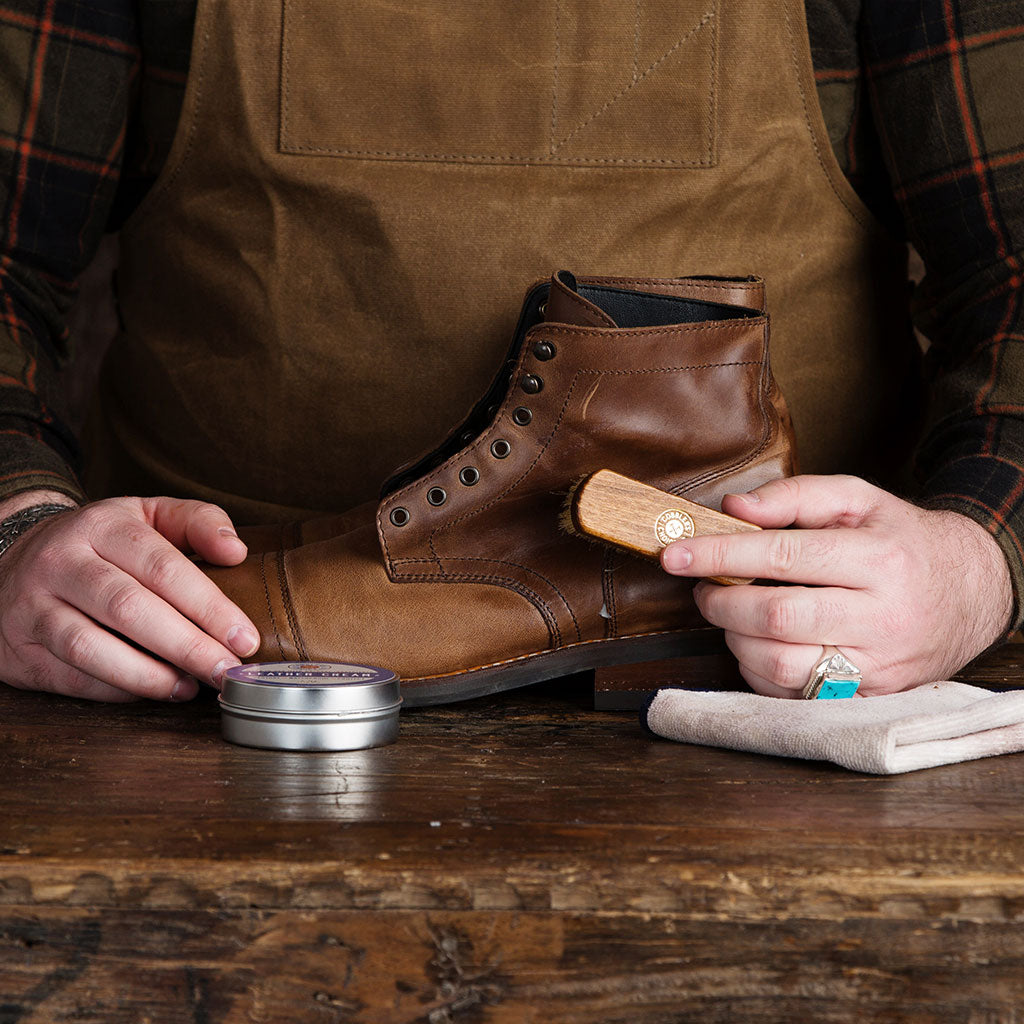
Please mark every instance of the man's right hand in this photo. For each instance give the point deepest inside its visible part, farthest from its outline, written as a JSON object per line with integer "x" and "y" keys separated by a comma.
{"x": 76, "y": 587}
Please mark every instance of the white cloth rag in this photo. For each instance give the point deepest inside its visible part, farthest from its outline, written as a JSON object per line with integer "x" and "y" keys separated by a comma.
{"x": 939, "y": 723}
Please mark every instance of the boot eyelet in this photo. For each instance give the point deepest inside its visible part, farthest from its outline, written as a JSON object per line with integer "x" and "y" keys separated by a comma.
{"x": 500, "y": 449}
{"x": 437, "y": 495}
{"x": 531, "y": 383}
{"x": 543, "y": 350}
{"x": 400, "y": 516}
{"x": 466, "y": 436}
{"x": 469, "y": 476}
{"x": 542, "y": 309}
{"x": 491, "y": 410}
{"x": 522, "y": 416}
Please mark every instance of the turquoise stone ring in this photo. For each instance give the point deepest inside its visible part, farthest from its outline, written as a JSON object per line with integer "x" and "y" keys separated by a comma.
{"x": 834, "y": 677}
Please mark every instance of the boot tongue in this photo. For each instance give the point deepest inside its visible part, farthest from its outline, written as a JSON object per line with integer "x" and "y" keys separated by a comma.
{"x": 566, "y": 306}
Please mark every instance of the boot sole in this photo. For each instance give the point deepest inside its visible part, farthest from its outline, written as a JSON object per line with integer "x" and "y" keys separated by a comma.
{"x": 425, "y": 691}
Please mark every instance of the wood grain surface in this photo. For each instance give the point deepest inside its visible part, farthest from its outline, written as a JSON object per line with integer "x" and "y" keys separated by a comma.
{"x": 522, "y": 858}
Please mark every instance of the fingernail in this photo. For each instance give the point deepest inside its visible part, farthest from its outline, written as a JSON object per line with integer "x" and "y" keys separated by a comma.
{"x": 751, "y": 497}
{"x": 676, "y": 557}
{"x": 219, "y": 669}
{"x": 184, "y": 689}
{"x": 243, "y": 641}
{"x": 226, "y": 531}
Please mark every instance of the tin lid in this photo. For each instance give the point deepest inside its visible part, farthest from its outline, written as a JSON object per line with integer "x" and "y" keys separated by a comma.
{"x": 310, "y": 688}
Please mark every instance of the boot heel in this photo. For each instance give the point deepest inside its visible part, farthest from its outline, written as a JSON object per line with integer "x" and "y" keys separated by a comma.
{"x": 627, "y": 687}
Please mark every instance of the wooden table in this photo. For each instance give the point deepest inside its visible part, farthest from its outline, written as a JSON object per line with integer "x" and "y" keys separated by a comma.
{"x": 515, "y": 859}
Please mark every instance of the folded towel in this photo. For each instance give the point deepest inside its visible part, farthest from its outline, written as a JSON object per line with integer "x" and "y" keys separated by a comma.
{"x": 940, "y": 723}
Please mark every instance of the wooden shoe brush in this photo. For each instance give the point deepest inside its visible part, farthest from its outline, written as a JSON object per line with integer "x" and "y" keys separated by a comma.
{"x": 643, "y": 519}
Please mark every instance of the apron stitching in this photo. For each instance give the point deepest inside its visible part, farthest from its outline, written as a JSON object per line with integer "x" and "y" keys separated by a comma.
{"x": 810, "y": 127}
{"x": 286, "y": 81}
{"x": 554, "y": 84}
{"x": 712, "y": 111}
{"x": 709, "y": 16}
{"x": 636, "y": 42}
{"x": 515, "y": 158}
{"x": 186, "y": 130}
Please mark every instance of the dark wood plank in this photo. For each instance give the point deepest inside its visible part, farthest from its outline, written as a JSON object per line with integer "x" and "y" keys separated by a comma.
{"x": 397, "y": 968}
{"x": 528, "y": 759}
{"x": 754, "y": 875}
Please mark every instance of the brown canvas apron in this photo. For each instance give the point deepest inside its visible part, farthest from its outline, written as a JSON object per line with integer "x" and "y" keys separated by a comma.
{"x": 327, "y": 272}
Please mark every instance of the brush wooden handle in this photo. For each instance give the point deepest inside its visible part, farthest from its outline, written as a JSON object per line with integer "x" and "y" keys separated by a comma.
{"x": 643, "y": 519}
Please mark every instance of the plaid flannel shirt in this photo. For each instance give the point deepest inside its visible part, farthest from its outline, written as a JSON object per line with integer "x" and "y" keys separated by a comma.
{"x": 922, "y": 101}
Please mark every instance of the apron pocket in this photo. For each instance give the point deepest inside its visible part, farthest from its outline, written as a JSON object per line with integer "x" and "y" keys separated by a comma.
{"x": 571, "y": 82}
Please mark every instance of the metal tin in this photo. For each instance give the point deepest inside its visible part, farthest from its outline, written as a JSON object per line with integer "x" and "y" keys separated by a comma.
{"x": 288, "y": 705}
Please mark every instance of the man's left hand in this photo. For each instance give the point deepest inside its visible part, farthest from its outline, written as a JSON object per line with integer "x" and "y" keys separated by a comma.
{"x": 909, "y": 595}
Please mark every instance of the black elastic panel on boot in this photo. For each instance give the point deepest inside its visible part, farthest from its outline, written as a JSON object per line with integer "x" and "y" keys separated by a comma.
{"x": 645, "y": 309}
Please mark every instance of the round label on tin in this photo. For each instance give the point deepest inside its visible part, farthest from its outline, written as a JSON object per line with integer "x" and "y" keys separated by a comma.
{"x": 299, "y": 687}
{"x": 308, "y": 673}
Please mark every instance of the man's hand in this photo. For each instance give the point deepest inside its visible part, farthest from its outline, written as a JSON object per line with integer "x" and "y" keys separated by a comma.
{"x": 75, "y": 581}
{"x": 909, "y": 595}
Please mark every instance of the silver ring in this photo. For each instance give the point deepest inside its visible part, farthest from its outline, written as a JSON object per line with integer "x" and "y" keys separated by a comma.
{"x": 833, "y": 677}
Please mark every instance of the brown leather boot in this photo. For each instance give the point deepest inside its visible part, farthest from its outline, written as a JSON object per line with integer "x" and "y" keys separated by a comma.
{"x": 747, "y": 293}
{"x": 461, "y": 580}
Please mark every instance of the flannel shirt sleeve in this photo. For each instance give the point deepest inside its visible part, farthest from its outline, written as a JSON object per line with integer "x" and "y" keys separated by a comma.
{"x": 944, "y": 79}
{"x": 66, "y": 77}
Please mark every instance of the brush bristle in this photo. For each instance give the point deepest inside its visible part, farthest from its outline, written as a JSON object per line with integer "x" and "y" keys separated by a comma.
{"x": 567, "y": 521}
